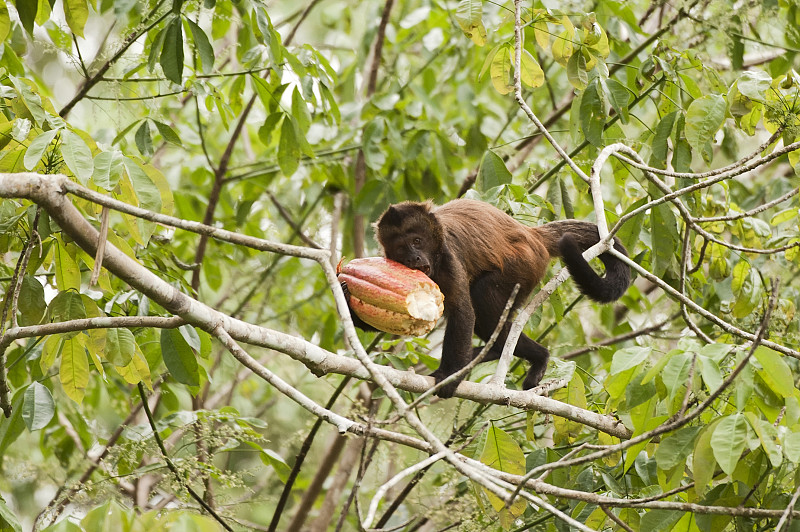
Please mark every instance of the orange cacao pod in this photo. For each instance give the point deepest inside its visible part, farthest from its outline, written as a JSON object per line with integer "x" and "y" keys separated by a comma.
{"x": 392, "y": 297}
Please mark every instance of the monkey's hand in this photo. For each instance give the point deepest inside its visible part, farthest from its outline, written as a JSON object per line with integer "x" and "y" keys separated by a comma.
{"x": 449, "y": 389}
{"x": 358, "y": 322}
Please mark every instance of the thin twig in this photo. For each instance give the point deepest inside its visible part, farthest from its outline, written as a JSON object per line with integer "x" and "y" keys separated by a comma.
{"x": 171, "y": 466}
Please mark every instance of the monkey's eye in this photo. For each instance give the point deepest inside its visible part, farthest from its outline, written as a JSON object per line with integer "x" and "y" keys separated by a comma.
{"x": 417, "y": 241}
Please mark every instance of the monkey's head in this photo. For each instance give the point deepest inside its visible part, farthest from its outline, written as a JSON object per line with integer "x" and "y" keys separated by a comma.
{"x": 411, "y": 235}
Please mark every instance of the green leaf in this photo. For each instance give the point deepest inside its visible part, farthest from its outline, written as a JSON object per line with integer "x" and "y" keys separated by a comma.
{"x": 77, "y": 156}
{"x": 168, "y": 133}
{"x": 107, "y": 169}
{"x": 791, "y": 446}
{"x": 563, "y": 48}
{"x": 374, "y": 133}
{"x": 703, "y": 462}
{"x": 120, "y": 346}
{"x": 746, "y": 288}
{"x": 593, "y": 116}
{"x": 703, "y": 119}
{"x": 144, "y": 142}
{"x": 273, "y": 459}
{"x": 664, "y": 231}
{"x": 776, "y": 372}
{"x": 76, "y": 12}
{"x": 31, "y": 301}
{"x": 74, "y": 369}
{"x": 500, "y": 70}
{"x": 674, "y": 449}
{"x": 156, "y": 48}
{"x": 629, "y": 357}
{"x": 11, "y": 428}
{"x": 709, "y": 370}
{"x": 618, "y": 96}
{"x": 203, "y": 47}
{"x": 660, "y": 148}
{"x": 26, "y": 9}
{"x": 530, "y": 72}
{"x": 675, "y": 373}
{"x": 37, "y": 148}
{"x": 469, "y": 16}
{"x": 189, "y": 334}
{"x": 501, "y": 452}
{"x": 8, "y": 519}
{"x": 179, "y": 358}
{"x": 728, "y": 441}
{"x": 577, "y": 71}
{"x": 754, "y": 84}
{"x": 146, "y": 191}
{"x": 492, "y": 172}
{"x": 768, "y": 436}
{"x": 39, "y": 407}
{"x": 68, "y": 274}
{"x": 67, "y": 306}
{"x": 267, "y": 130}
{"x": 171, "y": 58}
{"x": 288, "y": 148}
{"x": 300, "y": 111}
{"x": 50, "y": 351}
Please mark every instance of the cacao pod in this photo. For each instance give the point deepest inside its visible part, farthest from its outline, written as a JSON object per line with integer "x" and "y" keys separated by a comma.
{"x": 391, "y": 297}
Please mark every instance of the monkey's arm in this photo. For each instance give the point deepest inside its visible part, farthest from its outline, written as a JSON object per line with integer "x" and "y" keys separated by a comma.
{"x": 358, "y": 322}
{"x": 457, "y": 344}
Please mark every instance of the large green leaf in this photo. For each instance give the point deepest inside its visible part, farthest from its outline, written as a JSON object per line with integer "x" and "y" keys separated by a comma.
{"x": 703, "y": 462}
{"x": 119, "y": 346}
{"x": 776, "y": 372}
{"x": 660, "y": 148}
{"x": 8, "y": 520}
{"x": 768, "y": 436}
{"x": 728, "y": 441}
{"x": 66, "y": 306}
{"x": 74, "y": 369}
{"x": 205, "y": 51}
{"x": 77, "y": 155}
{"x": 703, "y": 119}
{"x": 288, "y": 148}
{"x": 76, "y": 12}
{"x": 179, "y": 358}
{"x": 469, "y": 16}
{"x": 492, "y": 172}
{"x": 39, "y": 407}
{"x": 171, "y": 58}
{"x": 32, "y": 305}
{"x": 107, "y": 169}
{"x": 501, "y": 452}
{"x": 37, "y": 148}
{"x": 593, "y": 115}
{"x": 500, "y": 70}
{"x": 68, "y": 274}
{"x": 530, "y": 72}
{"x": 674, "y": 449}
{"x": 628, "y": 357}
{"x": 675, "y": 374}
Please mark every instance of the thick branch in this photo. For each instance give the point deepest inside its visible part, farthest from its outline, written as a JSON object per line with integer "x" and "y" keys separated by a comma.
{"x": 49, "y": 191}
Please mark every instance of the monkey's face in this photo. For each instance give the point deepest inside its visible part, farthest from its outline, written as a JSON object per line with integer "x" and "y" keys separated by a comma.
{"x": 411, "y": 235}
{"x": 412, "y": 250}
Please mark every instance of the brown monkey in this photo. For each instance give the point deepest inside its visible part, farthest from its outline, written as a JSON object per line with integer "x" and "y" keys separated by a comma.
{"x": 476, "y": 253}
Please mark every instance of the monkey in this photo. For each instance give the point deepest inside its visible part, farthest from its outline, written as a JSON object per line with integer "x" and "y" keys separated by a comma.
{"x": 477, "y": 253}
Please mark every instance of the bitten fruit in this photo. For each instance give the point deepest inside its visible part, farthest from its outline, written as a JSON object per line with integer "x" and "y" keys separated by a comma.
{"x": 391, "y": 297}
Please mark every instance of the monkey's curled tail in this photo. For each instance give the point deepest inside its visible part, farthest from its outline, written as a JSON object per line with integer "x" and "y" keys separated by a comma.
{"x": 568, "y": 239}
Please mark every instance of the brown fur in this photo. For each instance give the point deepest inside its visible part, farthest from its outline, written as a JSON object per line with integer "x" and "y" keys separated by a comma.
{"x": 476, "y": 253}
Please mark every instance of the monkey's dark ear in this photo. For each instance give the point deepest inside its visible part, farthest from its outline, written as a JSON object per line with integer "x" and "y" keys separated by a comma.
{"x": 392, "y": 216}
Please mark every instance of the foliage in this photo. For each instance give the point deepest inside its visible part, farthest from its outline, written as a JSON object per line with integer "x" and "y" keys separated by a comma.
{"x": 260, "y": 119}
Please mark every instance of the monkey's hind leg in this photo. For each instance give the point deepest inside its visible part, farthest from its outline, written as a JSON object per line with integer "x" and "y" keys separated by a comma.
{"x": 489, "y": 296}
